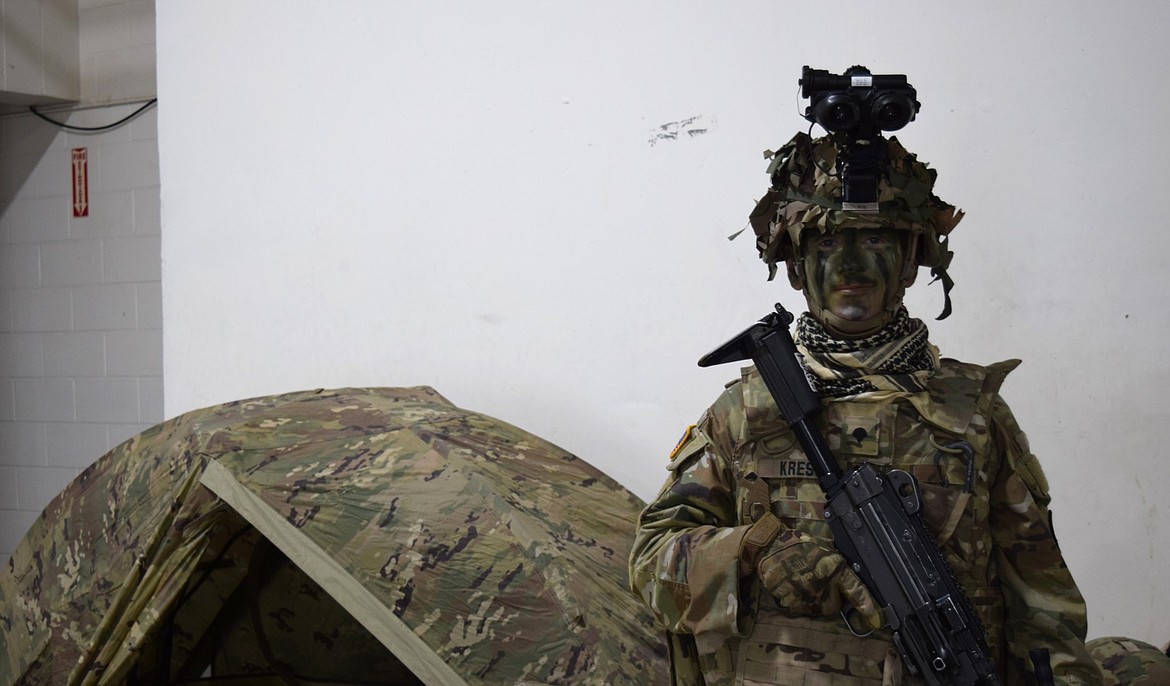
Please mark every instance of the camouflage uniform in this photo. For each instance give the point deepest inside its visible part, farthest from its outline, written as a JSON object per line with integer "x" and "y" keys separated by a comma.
{"x": 990, "y": 515}
{"x": 1129, "y": 661}
{"x": 739, "y": 480}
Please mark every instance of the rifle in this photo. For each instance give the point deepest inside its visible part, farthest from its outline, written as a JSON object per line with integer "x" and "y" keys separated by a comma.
{"x": 877, "y": 525}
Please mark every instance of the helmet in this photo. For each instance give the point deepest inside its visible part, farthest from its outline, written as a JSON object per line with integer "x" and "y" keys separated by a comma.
{"x": 805, "y": 194}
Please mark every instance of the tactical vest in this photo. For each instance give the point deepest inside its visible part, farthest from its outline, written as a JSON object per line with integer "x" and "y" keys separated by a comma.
{"x": 942, "y": 437}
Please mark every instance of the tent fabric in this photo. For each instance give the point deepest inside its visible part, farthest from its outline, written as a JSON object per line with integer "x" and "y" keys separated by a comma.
{"x": 470, "y": 551}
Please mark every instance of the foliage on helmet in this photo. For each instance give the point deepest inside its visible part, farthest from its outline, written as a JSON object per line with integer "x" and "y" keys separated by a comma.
{"x": 805, "y": 195}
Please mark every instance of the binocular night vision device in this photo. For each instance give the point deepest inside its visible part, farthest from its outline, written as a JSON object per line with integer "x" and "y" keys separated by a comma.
{"x": 856, "y": 107}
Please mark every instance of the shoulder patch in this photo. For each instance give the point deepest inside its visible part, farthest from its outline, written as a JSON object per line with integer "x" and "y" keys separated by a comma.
{"x": 692, "y": 441}
{"x": 682, "y": 441}
{"x": 1033, "y": 476}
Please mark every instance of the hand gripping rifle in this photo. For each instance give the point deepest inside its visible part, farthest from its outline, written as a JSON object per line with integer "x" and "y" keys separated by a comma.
{"x": 876, "y": 523}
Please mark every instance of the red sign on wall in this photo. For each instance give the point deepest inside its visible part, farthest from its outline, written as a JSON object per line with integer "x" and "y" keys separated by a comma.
{"x": 80, "y": 182}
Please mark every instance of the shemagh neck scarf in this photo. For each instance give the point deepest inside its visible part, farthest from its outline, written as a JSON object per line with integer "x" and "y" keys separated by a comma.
{"x": 898, "y": 358}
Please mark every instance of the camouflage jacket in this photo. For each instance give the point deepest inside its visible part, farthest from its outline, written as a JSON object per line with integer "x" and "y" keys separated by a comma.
{"x": 988, "y": 507}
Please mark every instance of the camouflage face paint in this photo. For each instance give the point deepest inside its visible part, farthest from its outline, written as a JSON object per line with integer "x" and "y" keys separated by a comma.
{"x": 852, "y": 276}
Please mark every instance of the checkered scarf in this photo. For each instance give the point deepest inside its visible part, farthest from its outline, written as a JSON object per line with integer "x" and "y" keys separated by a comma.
{"x": 898, "y": 358}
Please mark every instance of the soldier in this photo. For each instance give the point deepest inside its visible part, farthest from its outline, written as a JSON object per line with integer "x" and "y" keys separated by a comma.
{"x": 734, "y": 556}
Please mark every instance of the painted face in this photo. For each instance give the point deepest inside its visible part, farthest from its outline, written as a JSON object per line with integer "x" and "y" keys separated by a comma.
{"x": 851, "y": 277}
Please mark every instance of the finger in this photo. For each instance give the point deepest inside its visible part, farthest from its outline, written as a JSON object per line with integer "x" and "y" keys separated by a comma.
{"x": 856, "y": 594}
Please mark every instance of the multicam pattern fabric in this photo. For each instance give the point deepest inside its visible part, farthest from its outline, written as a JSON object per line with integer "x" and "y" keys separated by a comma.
{"x": 805, "y": 195}
{"x": 984, "y": 495}
{"x": 473, "y": 552}
{"x": 900, "y": 357}
{"x": 1128, "y": 661}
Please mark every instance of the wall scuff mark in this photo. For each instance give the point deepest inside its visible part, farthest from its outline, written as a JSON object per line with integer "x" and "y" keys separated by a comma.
{"x": 686, "y": 128}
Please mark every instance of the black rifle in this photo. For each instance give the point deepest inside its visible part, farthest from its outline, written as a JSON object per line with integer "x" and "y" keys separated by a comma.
{"x": 876, "y": 523}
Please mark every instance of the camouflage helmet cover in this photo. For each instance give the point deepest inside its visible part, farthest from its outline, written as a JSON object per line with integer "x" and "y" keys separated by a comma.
{"x": 805, "y": 194}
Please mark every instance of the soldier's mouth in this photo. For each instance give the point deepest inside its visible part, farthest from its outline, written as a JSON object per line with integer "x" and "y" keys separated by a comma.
{"x": 853, "y": 288}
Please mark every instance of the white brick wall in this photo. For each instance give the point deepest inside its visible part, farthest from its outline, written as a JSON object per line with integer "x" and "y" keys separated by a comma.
{"x": 80, "y": 304}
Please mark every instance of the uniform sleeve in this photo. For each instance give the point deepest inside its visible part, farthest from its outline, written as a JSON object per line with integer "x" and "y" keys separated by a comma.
{"x": 1043, "y": 606}
{"x": 685, "y": 560}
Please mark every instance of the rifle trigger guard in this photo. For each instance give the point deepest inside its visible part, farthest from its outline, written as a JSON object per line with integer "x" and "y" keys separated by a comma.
{"x": 846, "y": 613}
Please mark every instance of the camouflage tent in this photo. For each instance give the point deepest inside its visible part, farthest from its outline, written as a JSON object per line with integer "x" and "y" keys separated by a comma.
{"x": 343, "y": 536}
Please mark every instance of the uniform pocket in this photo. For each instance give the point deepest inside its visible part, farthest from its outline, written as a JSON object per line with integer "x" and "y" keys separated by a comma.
{"x": 943, "y": 508}
{"x": 793, "y": 490}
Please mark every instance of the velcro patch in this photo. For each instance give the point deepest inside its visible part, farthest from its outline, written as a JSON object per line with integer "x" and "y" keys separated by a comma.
{"x": 682, "y": 441}
{"x": 786, "y": 468}
{"x": 692, "y": 441}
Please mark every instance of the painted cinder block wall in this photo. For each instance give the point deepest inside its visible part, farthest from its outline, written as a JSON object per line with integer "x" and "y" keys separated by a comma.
{"x": 80, "y": 298}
